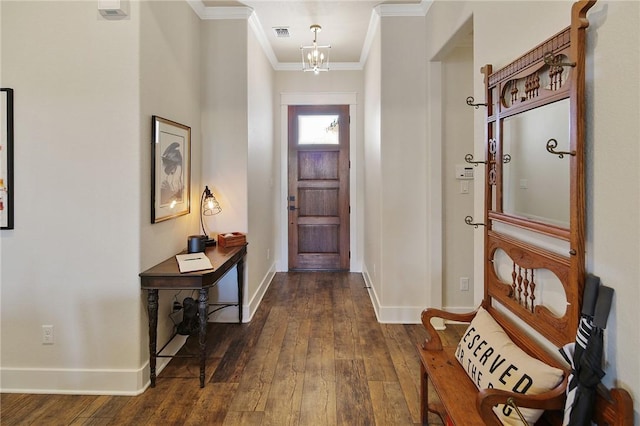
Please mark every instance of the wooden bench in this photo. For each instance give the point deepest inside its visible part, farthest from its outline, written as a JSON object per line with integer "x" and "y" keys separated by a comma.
{"x": 460, "y": 403}
{"x": 523, "y": 280}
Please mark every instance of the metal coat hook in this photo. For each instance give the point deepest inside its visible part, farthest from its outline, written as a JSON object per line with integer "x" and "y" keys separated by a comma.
{"x": 552, "y": 144}
{"x": 511, "y": 402}
{"x": 555, "y": 61}
{"x": 469, "y": 221}
{"x": 506, "y": 158}
{"x": 471, "y": 100}
{"x": 469, "y": 159}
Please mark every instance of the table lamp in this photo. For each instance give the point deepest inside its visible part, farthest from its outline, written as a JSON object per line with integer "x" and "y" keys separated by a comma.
{"x": 209, "y": 206}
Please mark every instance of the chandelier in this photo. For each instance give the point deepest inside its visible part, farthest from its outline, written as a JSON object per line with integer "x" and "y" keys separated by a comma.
{"x": 315, "y": 58}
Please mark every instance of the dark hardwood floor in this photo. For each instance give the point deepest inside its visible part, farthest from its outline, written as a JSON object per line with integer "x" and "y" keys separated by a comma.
{"x": 313, "y": 354}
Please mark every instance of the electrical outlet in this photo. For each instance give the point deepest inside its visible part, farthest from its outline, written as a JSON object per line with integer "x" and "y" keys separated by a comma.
{"x": 464, "y": 284}
{"x": 47, "y": 335}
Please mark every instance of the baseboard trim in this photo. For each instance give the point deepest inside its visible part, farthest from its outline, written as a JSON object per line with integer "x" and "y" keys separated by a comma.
{"x": 70, "y": 381}
{"x": 391, "y": 314}
{"x": 123, "y": 382}
{"x": 259, "y": 294}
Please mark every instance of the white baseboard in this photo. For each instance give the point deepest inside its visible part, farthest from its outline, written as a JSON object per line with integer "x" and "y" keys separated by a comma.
{"x": 405, "y": 314}
{"x": 126, "y": 382}
{"x": 259, "y": 294}
{"x": 70, "y": 381}
{"x": 391, "y": 314}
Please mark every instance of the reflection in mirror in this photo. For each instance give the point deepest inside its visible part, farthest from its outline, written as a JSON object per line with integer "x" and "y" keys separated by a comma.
{"x": 318, "y": 129}
{"x": 535, "y": 182}
{"x": 548, "y": 291}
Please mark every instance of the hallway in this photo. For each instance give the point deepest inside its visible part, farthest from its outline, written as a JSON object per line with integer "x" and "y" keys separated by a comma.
{"x": 313, "y": 354}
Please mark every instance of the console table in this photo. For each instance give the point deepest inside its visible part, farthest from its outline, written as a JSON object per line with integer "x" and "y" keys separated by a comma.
{"x": 166, "y": 276}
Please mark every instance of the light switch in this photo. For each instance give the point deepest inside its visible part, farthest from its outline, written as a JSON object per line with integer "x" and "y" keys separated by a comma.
{"x": 464, "y": 186}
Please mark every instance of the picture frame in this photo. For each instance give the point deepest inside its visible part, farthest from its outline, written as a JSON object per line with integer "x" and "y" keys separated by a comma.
{"x": 170, "y": 169}
{"x": 6, "y": 158}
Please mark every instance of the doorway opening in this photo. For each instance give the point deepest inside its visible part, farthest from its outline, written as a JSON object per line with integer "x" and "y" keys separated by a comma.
{"x": 318, "y": 224}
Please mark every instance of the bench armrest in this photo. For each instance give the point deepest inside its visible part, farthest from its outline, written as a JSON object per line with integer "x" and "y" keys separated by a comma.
{"x": 433, "y": 342}
{"x": 553, "y": 399}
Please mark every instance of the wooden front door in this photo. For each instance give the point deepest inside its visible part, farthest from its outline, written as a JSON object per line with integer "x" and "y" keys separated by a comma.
{"x": 319, "y": 187}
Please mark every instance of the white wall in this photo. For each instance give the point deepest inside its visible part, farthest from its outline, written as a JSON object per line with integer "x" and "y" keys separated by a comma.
{"x": 372, "y": 168}
{"x": 264, "y": 175}
{"x": 613, "y": 227}
{"x": 225, "y": 120}
{"x": 86, "y": 88}
{"x": 238, "y": 160}
{"x": 225, "y": 137}
{"x": 73, "y": 259}
{"x": 400, "y": 290}
{"x": 457, "y": 241}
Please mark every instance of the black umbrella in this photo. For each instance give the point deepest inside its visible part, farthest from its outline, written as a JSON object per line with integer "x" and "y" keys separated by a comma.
{"x": 585, "y": 355}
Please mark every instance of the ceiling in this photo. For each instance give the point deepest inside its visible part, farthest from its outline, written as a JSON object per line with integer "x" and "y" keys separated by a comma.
{"x": 345, "y": 24}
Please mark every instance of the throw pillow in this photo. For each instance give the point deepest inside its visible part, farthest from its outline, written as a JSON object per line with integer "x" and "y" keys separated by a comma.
{"x": 492, "y": 360}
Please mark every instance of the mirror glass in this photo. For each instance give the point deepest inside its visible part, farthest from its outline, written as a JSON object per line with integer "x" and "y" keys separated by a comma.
{"x": 535, "y": 181}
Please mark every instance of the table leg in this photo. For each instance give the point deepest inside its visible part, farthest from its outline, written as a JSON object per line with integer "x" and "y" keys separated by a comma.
{"x": 240, "y": 273}
{"x": 152, "y": 308}
{"x": 203, "y": 303}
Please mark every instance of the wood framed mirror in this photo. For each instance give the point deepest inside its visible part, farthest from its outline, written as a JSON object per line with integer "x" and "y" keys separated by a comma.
{"x": 534, "y": 189}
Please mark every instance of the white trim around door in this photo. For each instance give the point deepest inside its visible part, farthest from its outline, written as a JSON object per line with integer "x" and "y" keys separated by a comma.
{"x": 321, "y": 98}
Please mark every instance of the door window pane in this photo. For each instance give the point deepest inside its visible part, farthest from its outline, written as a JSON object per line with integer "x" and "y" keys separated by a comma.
{"x": 318, "y": 129}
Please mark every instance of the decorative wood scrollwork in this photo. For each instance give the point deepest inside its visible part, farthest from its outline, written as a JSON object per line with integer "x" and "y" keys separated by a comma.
{"x": 523, "y": 286}
{"x": 493, "y": 147}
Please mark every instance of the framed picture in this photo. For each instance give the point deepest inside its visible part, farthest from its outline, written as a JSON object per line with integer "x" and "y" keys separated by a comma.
{"x": 170, "y": 169}
{"x": 6, "y": 158}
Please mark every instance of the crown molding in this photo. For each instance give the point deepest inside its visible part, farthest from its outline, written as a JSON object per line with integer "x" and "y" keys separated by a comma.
{"x": 394, "y": 9}
{"x": 256, "y": 26}
{"x": 374, "y": 23}
{"x": 198, "y": 7}
{"x": 236, "y": 12}
{"x": 206, "y": 13}
{"x": 244, "y": 12}
{"x": 390, "y": 10}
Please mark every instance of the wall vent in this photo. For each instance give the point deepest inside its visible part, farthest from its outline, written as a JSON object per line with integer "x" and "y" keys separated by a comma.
{"x": 281, "y": 32}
